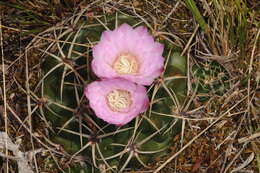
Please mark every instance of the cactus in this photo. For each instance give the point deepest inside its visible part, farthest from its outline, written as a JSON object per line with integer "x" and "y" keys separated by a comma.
{"x": 65, "y": 73}
{"x": 211, "y": 78}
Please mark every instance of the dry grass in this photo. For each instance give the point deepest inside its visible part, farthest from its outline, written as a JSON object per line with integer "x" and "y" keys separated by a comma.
{"x": 220, "y": 134}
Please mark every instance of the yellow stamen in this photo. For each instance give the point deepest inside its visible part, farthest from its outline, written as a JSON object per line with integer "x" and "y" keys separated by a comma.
{"x": 126, "y": 64}
{"x": 119, "y": 100}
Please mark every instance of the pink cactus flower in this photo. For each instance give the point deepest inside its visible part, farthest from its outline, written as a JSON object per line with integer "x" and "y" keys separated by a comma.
{"x": 128, "y": 53}
{"x": 117, "y": 101}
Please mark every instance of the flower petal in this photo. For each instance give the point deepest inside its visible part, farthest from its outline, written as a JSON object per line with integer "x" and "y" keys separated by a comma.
{"x": 127, "y": 40}
{"x": 97, "y": 93}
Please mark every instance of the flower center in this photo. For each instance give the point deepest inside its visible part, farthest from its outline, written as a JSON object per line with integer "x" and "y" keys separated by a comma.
{"x": 118, "y": 100}
{"x": 126, "y": 64}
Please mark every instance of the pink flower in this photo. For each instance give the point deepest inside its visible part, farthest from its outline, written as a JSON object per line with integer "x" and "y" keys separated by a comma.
{"x": 117, "y": 101}
{"x": 128, "y": 53}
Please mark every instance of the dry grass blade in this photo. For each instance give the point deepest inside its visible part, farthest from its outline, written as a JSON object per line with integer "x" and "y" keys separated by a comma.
{"x": 171, "y": 12}
{"x": 236, "y": 156}
{"x": 249, "y": 138}
{"x": 27, "y": 85}
{"x": 178, "y": 116}
{"x": 4, "y": 89}
{"x": 196, "y": 137}
{"x": 28, "y": 130}
{"x": 190, "y": 40}
{"x": 247, "y": 161}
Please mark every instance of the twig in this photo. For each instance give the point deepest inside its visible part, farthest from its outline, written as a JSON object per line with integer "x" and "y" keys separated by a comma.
{"x": 248, "y": 138}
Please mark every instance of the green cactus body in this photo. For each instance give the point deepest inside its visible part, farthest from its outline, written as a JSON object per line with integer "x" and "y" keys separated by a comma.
{"x": 66, "y": 72}
{"x": 212, "y": 79}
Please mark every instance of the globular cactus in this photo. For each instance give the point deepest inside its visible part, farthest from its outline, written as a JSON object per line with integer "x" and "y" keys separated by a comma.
{"x": 66, "y": 71}
{"x": 211, "y": 79}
